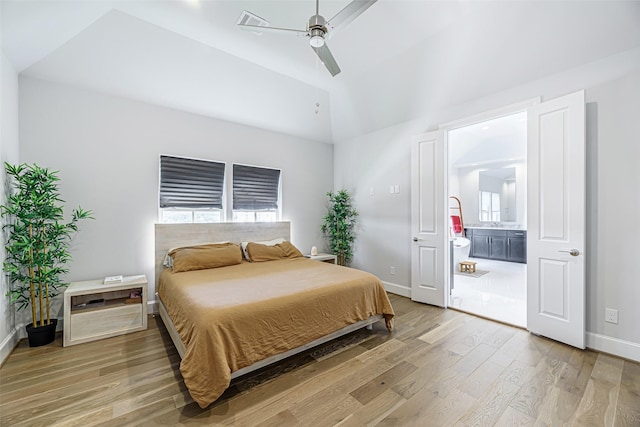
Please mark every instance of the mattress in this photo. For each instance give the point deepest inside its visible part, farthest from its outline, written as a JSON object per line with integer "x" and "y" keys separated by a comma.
{"x": 232, "y": 317}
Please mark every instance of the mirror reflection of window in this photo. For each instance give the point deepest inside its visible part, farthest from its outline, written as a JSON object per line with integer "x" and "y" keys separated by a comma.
{"x": 499, "y": 184}
{"x": 495, "y": 207}
{"x": 489, "y": 206}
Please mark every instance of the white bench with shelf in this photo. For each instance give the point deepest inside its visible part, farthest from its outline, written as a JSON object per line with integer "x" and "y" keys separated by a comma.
{"x": 328, "y": 258}
{"x": 94, "y": 310}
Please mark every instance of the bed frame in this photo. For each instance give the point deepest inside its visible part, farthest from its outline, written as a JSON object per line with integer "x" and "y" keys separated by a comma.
{"x": 168, "y": 236}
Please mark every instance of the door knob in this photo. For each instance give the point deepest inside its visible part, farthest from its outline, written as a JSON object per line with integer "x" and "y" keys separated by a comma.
{"x": 572, "y": 252}
{"x": 415, "y": 239}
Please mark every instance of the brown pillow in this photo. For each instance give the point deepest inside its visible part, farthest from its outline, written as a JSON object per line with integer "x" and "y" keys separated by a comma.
{"x": 260, "y": 253}
{"x": 205, "y": 256}
{"x": 289, "y": 250}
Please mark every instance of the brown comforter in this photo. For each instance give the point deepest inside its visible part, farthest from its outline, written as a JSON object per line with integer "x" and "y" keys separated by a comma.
{"x": 232, "y": 317}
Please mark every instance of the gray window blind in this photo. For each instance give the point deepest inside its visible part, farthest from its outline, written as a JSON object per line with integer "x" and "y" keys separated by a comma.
{"x": 190, "y": 183}
{"x": 255, "y": 188}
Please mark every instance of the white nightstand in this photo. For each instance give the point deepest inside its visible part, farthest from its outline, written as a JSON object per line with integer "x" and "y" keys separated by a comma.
{"x": 93, "y": 310}
{"x": 328, "y": 258}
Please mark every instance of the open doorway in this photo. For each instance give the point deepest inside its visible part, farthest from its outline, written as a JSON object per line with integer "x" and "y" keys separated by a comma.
{"x": 487, "y": 183}
{"x": 554, "y": 216}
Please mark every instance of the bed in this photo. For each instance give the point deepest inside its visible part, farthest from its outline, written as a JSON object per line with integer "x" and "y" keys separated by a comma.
{"x": 233, "y": 319}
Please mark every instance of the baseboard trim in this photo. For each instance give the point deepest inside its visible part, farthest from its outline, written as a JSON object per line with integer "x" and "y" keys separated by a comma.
{"x": 394, "y": 288}
{"x": 617, "y": 347}
{"x": 8, "y": 344}
{"x": 19, "y": 333}
{"x": 152, "y": 307}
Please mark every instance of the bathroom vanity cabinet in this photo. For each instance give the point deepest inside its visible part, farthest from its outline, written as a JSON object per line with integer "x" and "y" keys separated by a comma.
{"x": 491, "y": 244}
{"x": 498, "y": 244}
{"x": 517, "y": 246}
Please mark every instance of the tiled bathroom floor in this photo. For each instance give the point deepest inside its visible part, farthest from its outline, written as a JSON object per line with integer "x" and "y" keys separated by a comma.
{"x": 500, "y": 294}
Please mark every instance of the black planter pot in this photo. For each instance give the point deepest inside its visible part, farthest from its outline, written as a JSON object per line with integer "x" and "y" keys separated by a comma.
{"x": 42, "y": 335}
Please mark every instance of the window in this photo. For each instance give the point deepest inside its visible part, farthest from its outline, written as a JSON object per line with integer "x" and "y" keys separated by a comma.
{"x": 489, "y": 206}
{"x": 190, "y": 190}
{"x": 255, "y": 194}
{"x": 170, "y": 216}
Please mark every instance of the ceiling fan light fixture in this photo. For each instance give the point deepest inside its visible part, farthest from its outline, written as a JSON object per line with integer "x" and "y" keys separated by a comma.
{"x": 316, "y": 41}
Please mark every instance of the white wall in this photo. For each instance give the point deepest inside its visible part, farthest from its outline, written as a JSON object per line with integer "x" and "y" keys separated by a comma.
{"x": 613, "y": 209}
{"x": 107, "y": 151}
{"x": 377, "y": 161}
{"x": 8, "y": 153}
{"x": 613, "y": 102}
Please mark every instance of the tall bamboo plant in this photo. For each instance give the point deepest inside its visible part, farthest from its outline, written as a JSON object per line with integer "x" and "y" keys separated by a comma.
{"x": 338, "y": 225}
{"x": 37, "y": 245}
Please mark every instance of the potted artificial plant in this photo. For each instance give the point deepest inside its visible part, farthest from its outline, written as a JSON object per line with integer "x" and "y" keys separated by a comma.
{"x": 338, "y": 225}
{"x": 37, "y": 245}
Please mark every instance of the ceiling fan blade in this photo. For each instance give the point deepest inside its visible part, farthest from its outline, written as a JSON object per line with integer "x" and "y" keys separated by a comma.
{"x": 327, "y": 59}
{"x": 273, "y": 30}
{"x": 348, "y": 14}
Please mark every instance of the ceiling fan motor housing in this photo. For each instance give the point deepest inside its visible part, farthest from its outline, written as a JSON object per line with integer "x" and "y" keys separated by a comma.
{"x": 317, "y": 26}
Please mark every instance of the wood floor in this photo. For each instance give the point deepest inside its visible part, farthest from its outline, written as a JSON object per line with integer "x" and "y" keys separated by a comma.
{"x": 438, "y": 368}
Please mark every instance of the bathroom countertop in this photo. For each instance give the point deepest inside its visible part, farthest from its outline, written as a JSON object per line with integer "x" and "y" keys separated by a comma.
{"x": 498, "y": 227}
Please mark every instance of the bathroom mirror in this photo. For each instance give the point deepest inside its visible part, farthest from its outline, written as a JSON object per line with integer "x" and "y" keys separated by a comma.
{"x": 497, "y": 195}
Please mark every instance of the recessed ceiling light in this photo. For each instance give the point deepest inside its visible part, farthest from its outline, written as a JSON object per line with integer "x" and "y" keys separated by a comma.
{"x": 484, "y": 128}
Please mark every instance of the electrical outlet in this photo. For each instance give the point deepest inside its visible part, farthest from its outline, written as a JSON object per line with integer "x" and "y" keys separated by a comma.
{"x": 611, "y": 315}
{"x": 392, "y": 270}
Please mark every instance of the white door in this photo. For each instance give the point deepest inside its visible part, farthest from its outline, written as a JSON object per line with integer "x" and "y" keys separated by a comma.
{"x": 427, "y": 219}
{"x": 556, "y": 219}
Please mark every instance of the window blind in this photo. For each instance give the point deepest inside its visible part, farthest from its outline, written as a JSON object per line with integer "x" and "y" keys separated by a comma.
{"x": 255, "y": 188}
{"x": 190, "y": 183}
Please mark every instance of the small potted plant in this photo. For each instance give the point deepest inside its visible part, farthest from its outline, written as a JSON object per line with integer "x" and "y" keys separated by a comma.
{"x": 338, "y": 225}
{"x": 37, "y": 245}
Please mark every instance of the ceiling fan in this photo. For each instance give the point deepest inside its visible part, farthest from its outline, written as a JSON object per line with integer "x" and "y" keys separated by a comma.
{"x": 318, "y": 29}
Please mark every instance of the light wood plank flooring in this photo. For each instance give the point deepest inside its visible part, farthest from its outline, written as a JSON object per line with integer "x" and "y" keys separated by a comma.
{"x": 438, "y": 368}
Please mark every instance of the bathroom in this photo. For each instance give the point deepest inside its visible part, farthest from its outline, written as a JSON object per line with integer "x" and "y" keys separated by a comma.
{"x": 487, "y": 209}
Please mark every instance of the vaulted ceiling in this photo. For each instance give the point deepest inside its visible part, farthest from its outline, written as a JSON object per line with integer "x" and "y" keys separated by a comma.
{"x": 399, "y": 59}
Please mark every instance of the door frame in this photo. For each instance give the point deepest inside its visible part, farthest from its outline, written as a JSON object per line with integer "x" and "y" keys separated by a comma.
{"x": 495, "y": 113}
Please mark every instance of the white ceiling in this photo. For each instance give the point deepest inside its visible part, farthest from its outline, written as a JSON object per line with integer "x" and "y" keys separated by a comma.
{"x": 499, "y": 140}
{"x": 399, "y": 59}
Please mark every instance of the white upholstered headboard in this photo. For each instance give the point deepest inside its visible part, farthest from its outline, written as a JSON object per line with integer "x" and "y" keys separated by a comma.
{"x": 175, "y": 235}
